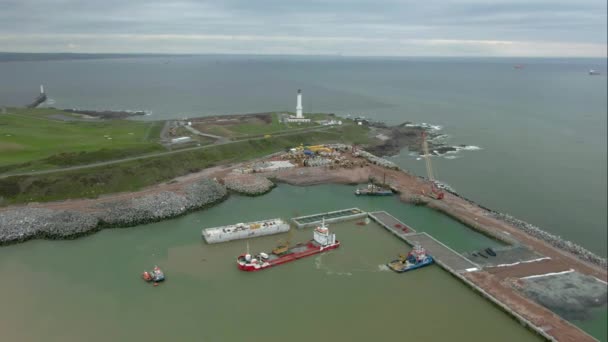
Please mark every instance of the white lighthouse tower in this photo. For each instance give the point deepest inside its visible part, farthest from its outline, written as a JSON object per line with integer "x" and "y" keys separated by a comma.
{"x": 299, "y": 105}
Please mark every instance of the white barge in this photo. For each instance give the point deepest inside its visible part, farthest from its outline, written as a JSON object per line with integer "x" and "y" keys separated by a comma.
{"x": 244, "y": 230}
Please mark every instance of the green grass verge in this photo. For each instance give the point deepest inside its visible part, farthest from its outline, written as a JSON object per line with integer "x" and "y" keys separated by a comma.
{"x": 134, "y": 175}
{"x": 28, "y": 135}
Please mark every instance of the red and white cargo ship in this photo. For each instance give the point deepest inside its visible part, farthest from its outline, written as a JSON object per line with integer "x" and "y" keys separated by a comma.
{"x": 322, "y": 241}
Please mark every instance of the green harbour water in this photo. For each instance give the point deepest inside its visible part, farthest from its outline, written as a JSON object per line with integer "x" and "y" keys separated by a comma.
{"x": 90, "y": 289}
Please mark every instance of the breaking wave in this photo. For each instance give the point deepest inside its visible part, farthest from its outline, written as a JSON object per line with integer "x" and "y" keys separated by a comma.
{"x": 425, "y": 126}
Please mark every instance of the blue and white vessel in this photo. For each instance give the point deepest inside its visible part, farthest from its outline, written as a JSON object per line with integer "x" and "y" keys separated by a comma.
{"x": 417, "y": 258}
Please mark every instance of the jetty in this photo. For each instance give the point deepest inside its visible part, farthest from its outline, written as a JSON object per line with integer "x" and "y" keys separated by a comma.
{"x": 39, "y": 99}
{"x": 474, "y": 276}
{"x": 329, "y": 217}
{"x": 443, "y": 255}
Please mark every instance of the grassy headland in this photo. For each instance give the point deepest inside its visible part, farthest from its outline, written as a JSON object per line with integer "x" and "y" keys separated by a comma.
{"x": 47, "y": 138}
{"x": 134, "y": 175}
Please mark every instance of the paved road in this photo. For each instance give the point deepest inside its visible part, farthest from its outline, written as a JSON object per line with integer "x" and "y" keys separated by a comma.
{"x": 158, "y": 154}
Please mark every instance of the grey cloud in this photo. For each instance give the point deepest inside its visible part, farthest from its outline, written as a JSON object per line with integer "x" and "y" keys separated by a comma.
{"x": 558, "y": 21}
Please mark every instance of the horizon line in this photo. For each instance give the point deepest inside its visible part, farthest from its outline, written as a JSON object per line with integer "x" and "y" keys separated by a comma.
{"x": 287, "y": 55}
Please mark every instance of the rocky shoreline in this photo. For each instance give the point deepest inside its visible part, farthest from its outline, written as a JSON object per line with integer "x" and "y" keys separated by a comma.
{"x": 22, "y": 224}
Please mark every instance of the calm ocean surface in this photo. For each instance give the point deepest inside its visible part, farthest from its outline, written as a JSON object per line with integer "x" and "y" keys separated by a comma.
{"x": 541, "y": 129}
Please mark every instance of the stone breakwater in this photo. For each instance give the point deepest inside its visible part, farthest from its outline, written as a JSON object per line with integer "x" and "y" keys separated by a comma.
{"x": 250, "y": 185}
{"x": 22, "y": 224}
{"x": 532, "y": 230}
{"x": 554, "y": 240}
{"x": 26, "y": 223}
{"x": 376, "y": 160}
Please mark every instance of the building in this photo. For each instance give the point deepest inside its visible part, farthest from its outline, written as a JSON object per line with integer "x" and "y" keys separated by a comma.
{"x": 299, "y": 116}
{"x": 180, "y": 140}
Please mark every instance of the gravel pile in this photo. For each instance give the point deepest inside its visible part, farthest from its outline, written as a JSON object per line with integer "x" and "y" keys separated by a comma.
{"x": 161, "y": 205}
{"x": 247, "y": 184}
{"x": 376, "y": 160}
{"x": 554, "y": 240}
{"x": 27, "y": 223}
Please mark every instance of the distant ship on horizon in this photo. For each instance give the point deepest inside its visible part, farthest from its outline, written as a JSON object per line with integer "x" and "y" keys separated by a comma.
{"x": 593, "y": 72}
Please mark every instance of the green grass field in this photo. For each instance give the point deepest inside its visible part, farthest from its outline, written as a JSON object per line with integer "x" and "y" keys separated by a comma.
{"x": 256, "y": 127}
{"x": 134, "y": 175}
{"x": 45, "y": 138}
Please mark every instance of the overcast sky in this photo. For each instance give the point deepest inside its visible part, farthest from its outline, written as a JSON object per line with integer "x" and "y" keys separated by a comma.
{"x": 329, "y": 27}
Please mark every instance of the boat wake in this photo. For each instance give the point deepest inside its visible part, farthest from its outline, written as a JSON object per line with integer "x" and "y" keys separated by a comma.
{"x": 383, "y": 268}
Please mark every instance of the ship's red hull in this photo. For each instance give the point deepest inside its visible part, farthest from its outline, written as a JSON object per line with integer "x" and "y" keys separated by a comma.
{"x": 310, "y": 250}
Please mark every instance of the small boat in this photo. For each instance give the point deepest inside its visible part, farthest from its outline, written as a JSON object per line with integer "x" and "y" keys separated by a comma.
{"x": 593, "y": 72}
{"x": 490, "y": 252}
{"x": 375, "y": 190}
{"x": 417, "y": 258}
{"x": 482, "y": 255}
{"x": 156, "y": 275}
{"x": 474, "y": 254}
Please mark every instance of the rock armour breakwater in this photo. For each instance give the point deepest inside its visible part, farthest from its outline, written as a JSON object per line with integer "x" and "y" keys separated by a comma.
{"x": 26, "y": 223}
{"x": 532, "y": 230}
{"x": 554, "y": 240}
{"x": 22, "y": 224}
{"x": 248, "y": 184}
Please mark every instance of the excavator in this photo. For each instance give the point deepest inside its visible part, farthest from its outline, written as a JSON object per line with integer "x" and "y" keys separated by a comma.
{"x": 434, "y": 192}
{"x": 284, "y": 245}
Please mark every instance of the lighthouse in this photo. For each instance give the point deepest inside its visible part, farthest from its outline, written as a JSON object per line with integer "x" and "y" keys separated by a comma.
{"x": 299, "y": 117}
{"x": 299, "y": 105}
{"x": 41, "y": 89}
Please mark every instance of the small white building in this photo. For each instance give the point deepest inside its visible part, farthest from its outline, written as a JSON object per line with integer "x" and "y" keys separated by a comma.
{"x": 180, "y": 140}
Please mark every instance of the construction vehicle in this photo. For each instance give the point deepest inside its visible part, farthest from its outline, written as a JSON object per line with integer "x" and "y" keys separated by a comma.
{"x": 434, "y": 192}
{"x": 319, "y": 148}
{"x": 283, "y": 245}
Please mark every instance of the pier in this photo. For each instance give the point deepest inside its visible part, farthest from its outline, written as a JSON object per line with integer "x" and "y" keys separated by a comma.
{"x": 473, "y": 275}
{"x": 39, "y": 99}
{"x": 330, "y": 217}
{"x": 443, "y": 255}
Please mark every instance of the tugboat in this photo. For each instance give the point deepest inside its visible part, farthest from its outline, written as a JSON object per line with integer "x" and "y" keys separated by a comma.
{"x": 322, "y": 241}
{"x": 417, "y": 258}
{"x": 375, "y": 190}
{"x": 156, "y": 275}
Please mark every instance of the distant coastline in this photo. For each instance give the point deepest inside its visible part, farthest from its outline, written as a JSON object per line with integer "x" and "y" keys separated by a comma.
{"x": 37, "y": 57}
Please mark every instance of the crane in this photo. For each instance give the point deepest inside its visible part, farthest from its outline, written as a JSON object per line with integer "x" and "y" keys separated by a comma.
{"x": 435, "y": 192}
